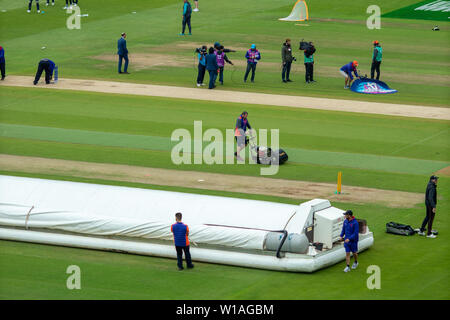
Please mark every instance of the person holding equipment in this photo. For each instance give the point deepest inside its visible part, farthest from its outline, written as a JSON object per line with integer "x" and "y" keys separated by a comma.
{"x": 201, "y": 54}
{"x": 347, "y": 71}
{"x": 252, "y": 56}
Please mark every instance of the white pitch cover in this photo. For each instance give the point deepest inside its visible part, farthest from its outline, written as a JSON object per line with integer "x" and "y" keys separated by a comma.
{"x": 76, "y": 213}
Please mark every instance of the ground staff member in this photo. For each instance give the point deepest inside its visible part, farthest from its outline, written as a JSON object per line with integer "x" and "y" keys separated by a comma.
{"x": 212, "y": 67}
{"x": 252, "y": 56}
{"x": 309, "y": 63}
{"x": 2, "y": 62}
{"x": 376, "y": 60}
{"x": 350, "y": 232}
{"x": 187, "y": 11}
{"x": 287, "y": 58}
{"x": 221, "y": 59}
{"x": 122, "y": 51}
{"x": 181, "y": 238}
{"x": 46, "y": 65}
{"x": 347, "y": 71}
{"x": 242, "y": 124}
{"x": 430, "y": 203}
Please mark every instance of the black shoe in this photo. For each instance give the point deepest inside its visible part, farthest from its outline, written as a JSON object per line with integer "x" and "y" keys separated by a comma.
{"x": 289, "y": 80}
{"x": 253, "y": 81}
{"x": 180, "y": 269}
{"x": 221, "y": 82}
{"x": 120, "y": 72}
{"x": 191, "y": 266}
{"x": 284, "y": 81}
{"x": 34, "y": 82}
{"x": 3, "y": 78}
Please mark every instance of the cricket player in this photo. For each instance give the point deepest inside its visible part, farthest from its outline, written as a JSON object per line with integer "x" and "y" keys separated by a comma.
{"x": 122, "y": 51}
{"x": 350, "y": 235}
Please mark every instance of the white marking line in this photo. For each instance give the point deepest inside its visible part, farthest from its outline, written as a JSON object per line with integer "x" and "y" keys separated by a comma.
{"x": 420, "y": 141}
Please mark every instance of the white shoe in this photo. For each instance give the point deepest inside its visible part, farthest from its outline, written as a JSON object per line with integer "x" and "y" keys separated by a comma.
{"x": 46, "y": 4}
{"x": 53, "y": 3}
{"x": 421, "y": 233}
{"x": 196, "y": 10}
{"x": 39, "y": 11}
{"x": 66, "y": 7}
{"x": 346, "y": 87}
{"x": 355, "y": 265}
{"x": 203, "y": 84}
{"x": 74, "y": 4}
{"x": 198, "y": 84}
{"x": 432, "y": 236}
{"x": 347, "y": 269}
{"x": 28, "y": 11}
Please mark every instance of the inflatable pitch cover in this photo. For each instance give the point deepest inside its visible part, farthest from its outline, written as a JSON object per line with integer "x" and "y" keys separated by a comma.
{"x": 299, "y": 12}
{"x": 371, "y": 86}
{"x": 231, "y": 231}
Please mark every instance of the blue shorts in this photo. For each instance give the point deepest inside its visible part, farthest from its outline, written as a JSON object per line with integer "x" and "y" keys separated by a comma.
{"x": 352, "y": 246}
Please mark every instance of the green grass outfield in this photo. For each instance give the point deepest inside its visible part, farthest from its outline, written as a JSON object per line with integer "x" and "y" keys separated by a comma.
{"x": 394, "y": 153}
{"x": 415, "y": 58}
{"x": 97, "y": 127}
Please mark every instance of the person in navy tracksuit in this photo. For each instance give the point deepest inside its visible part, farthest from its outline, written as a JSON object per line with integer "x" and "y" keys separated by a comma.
{"x": 122, "y": 51}
{"x": 46, "y": 65}
{"x": 2, "y": 62}
{"x": 181, "y": 237}
{"x": 212, "y": 67}
{"x": 242, "y": 124}
{"x": 350, "y": 232}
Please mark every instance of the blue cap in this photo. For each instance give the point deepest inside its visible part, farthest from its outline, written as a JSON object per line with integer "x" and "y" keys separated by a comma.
{"x": 253, "y": 46}
{"x": 217, "y": 44}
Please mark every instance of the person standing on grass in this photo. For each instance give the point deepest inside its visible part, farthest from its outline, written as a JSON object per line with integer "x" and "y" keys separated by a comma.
{"x": 122, "y": 51}
{"x": 212, "y": 67}
{"x": 221, "y": 59}
{"x": 430, "y": 204}
{"x": 347, "y": 71}
{"x": 48, "y": 3}
{"x": 350, "y": 235}
{"x": 242, "y": 124}
{"x": 287, "y": 58}
{"x": 252, "y": 56}
{"x": 196, "y": 6}
{"x": 187, "y": 11}
{"x": 37, "y": 6}
{"x": 2, "y": 62}
{"x": 181, "y": 238}
{"x": 376, "y": 60}
{"x": 201, "y": 66}
{"x": 309, "y": 63}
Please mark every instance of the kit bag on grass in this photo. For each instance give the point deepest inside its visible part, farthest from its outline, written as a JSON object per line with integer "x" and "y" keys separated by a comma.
{"x": 398, "y": 228}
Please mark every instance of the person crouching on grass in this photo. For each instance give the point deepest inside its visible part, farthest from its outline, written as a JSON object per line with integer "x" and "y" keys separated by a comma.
{"x": 350, "y": 232}
{"x": 181, "y": 238}
{"x": 347, "y": 71}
